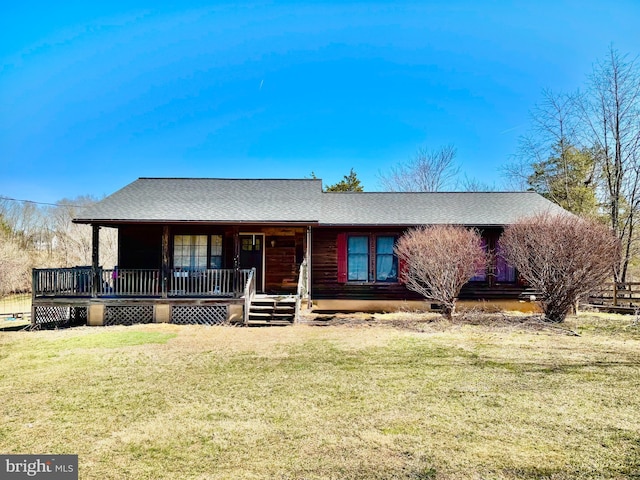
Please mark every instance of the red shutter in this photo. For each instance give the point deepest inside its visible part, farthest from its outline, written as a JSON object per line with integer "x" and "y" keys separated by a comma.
{"x": 341, "y": 246}
{"x": 402, "y": 270}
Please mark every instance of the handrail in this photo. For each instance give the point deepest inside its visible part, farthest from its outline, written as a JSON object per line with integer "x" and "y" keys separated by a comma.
{"x": 249, "y": 294}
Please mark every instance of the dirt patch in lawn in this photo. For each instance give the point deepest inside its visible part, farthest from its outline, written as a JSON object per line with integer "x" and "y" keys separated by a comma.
{"x": 434, "y": 322}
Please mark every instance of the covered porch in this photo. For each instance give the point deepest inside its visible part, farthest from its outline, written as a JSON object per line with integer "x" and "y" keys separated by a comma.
{"x": 204, "y": 274}
{"x": 85, "y": 296}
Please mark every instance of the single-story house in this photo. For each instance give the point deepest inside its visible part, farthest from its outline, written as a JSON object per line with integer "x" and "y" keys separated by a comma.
{"x": 205, "y": 250}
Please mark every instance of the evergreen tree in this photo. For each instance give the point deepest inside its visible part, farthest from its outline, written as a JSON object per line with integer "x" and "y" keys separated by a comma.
{"x": 566, "y": 178}
{"x": 350, "y": 183}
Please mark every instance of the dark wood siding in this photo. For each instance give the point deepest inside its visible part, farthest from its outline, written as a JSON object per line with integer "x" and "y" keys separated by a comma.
{"x": 283, "y": 255}
{"x": 324, "y": 276}
{"x": 325, "y": 284}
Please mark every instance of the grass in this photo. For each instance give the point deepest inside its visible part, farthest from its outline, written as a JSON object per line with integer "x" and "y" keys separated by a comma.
{"x": 501, "y": 400}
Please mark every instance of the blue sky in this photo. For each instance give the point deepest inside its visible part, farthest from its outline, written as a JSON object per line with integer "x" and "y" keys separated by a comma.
{"x": 94, "y": 95}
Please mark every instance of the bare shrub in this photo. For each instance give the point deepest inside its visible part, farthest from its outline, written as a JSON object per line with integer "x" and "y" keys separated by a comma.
{"x": 439, "y": 260}
{"x": 564, "y": 257}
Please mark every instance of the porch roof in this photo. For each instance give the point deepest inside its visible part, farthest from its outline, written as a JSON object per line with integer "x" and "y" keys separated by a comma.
{"x": 211, "y": 200}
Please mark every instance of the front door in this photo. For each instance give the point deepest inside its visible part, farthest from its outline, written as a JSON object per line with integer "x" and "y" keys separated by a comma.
{"x": 251, "y": 255}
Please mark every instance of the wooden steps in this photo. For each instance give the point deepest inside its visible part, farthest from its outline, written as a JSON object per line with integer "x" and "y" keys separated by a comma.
{"x": 272, "y": 311}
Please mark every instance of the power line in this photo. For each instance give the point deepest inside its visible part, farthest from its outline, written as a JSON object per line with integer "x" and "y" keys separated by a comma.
{"x": 2, "y": 197}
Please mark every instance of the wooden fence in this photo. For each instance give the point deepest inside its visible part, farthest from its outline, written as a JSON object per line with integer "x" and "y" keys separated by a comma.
{"x": 617, "y": 296}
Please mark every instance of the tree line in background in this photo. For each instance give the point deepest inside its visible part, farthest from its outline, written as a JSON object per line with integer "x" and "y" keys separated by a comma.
{"x": 43, "y": 236}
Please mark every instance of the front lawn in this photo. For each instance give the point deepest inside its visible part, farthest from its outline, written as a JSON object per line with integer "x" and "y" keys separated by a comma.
{"x": 351, "y": 401}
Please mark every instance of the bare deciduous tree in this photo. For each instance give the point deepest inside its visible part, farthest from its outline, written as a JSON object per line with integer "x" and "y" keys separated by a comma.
{"x": 470, "y": 184}
{"x": 611, "y": 111}
{"x": 428, "y": 171}
{"x": 35, "y": 236}
{"x": 564, "y": 257}
{"x": 439, "y": 260}
{"x": 15, "y": 266}
{"x": 72, "y": 243}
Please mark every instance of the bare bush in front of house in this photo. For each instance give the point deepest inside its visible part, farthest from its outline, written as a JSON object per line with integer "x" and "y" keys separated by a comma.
{"x": 436, "y": 261}
{"x": 564, "y": 257}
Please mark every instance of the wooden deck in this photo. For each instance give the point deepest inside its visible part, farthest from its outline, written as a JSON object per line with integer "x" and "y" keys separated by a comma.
{"x": 83, "y": 296}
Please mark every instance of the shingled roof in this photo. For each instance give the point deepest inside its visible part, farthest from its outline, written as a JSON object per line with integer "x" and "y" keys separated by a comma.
{"x": 208, "y": 200}
{"x": 459, "y": 208}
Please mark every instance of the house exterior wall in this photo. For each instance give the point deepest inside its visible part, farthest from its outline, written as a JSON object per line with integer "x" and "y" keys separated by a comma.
{"x": 327, "y": 284}
{"x": 140, "y": 246}
{"x": 325, "y": 266}
{"x": 285, "y": 249}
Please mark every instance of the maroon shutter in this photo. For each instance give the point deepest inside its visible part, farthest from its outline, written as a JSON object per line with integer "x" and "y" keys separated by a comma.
{"x": 341, "y": 245}
{"x": 402, "y": 270}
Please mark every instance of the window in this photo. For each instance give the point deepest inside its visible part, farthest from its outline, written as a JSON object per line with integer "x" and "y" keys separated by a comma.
{"x": 481, "y": 272}
{"x": 190, "y": 252}
{"x": 504, "y": 272}
{"x": 358, "y": 258}
{"x": 386, "y": 261}
{"x": 215, "y": 259}
{"x": 364, "y": 258}
{"x": 500, "y": 270}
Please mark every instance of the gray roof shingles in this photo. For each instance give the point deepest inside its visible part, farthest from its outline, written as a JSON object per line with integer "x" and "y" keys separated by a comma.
{"x": 210, "y": 200}
{"x": 460, "y": 208}
{"x": 283, "y": 201}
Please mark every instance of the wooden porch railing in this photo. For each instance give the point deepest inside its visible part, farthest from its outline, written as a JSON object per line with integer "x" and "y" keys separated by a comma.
{"x": 204, "y": 282}
{"x": 57, "y": 282}
{"x": 84, "y": 282}
{"x": 129, "y": 283}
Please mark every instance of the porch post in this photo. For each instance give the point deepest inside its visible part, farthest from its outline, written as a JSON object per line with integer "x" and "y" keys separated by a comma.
{"x": 308, "y": 258}
{"x": 165, "y": 261}
{"x": 95, "y": 259}
{"x": 34, "y": 280}
{"x": 236, "y": 262}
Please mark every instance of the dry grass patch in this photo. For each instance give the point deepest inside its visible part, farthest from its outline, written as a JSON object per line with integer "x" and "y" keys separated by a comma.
{"x": 455, "y": 400}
